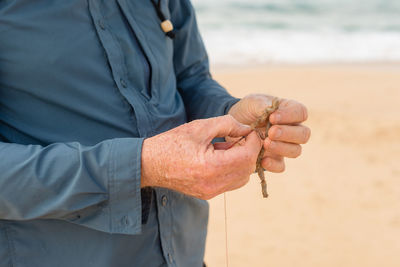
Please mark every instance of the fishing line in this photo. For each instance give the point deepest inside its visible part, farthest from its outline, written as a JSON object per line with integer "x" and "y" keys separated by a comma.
{"x": 226, "y": 233}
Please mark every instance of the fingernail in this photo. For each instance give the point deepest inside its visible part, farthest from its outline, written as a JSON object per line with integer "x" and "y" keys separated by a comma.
{"x": 278, "y": 133}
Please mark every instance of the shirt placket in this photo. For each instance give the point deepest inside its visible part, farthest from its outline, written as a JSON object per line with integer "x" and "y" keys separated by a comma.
{"x": 115, "y": 59}
{"x": 140, "y": 105}
{"x": 164, "y": 208}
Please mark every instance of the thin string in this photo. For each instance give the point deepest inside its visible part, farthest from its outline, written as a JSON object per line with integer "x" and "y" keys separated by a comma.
{"x": 157, "y": 7}
{"x": 161, "y": 16}
{"x": 226, "y": 233}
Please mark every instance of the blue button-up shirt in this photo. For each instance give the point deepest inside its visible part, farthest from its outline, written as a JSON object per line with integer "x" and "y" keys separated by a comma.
{"x": 82, "y": 83}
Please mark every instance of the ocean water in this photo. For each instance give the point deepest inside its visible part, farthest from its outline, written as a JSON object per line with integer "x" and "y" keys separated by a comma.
{"x": 299, "y": 31}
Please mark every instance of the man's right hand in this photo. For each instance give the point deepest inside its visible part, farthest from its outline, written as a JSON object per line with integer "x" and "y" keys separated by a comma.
{"x": 183, "y": 158}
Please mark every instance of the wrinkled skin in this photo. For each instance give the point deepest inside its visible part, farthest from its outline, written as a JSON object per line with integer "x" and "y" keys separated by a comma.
{"x": 183, "y": 159}
{"x": 286, "y": 134}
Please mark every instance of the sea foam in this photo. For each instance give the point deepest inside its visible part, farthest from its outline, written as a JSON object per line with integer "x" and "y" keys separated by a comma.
{"x": 307, "y": 31}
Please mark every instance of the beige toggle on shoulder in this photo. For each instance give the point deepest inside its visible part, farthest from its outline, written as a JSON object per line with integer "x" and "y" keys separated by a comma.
{"x": 167, "y": 26}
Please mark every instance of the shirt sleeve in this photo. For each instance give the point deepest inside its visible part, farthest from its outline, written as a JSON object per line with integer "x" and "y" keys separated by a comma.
{"x": 94, "y": 186}
{"x": 203, "y": 96}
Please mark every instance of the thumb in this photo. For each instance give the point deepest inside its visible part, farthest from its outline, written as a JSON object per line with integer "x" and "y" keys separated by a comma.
{"x": 246, "y": 153}
{"x": 253, "y": 143}
{"x": 251, "y": 146}
{"x": 227, "y": 126}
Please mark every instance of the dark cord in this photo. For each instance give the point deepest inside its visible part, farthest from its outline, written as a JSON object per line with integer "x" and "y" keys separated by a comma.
{"x": 161, "y": 16}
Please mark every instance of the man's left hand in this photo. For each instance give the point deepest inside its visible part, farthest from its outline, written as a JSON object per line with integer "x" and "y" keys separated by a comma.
{"x": 286, "y": 133}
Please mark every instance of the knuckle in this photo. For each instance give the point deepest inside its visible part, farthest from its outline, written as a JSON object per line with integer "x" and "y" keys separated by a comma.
{"x": 195, "y": 123}
{"x": 232, "y": 121}
{"x": 193, "y": 126}
{"x": 228, "y": 119}
{"x": 225, "y": 121}
{"x": 205, "y": 123}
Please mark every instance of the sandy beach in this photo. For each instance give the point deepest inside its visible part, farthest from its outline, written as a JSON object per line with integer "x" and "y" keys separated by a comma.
{"x": 339, "y": 203}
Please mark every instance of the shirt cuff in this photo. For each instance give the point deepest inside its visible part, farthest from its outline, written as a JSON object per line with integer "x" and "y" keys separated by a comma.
{"x": 230, "y": 103}
{"x": 124, "y": 204}
{"x": 121, "y": 211}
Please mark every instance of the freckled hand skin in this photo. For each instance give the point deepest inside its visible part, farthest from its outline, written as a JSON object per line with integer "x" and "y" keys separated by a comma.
{"x": 183, "y": 159}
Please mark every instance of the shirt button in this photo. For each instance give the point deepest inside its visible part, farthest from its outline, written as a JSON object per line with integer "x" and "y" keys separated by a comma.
{"x": 170, "y": 258}
{"x": 123, "y": 83}
{"x": 126, "y": 221}
{"x": 101, "y": 25}
{"x": 164, "y": 200}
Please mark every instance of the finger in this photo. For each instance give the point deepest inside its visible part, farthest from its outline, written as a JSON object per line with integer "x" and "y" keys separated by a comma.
{"x": 222, "y": 145}
{"x": 268, "y": 154}
{"x": 249, "y": 108}
{"x": 298, "y": 134}
{"x": 282, "y": 149}
{"x": 259, "y": 103}
{"x": 226, "y": 126}
{"x": 252, "y": 143}
{"x": 245, "y": 154}
{"x": 289, "y": 112}
{"x": 273, "y": 164}
{"x": 234, "y": 139}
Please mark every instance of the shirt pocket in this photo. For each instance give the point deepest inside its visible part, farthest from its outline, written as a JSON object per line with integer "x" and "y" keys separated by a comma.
{"x": 157, "y": 46}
